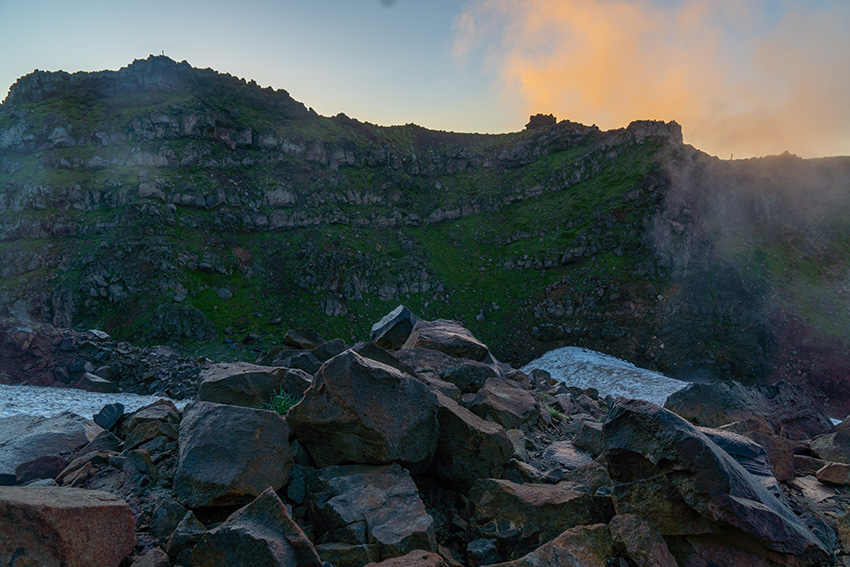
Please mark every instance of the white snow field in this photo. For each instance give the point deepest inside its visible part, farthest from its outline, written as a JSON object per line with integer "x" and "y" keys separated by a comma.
{"x": 585, "y": 368}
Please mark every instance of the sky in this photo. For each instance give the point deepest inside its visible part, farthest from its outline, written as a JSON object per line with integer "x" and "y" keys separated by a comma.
{"x": 743, "y": 77}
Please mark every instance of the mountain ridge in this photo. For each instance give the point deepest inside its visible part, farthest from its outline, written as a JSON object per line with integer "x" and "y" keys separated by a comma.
{"x": 180, "y": 205}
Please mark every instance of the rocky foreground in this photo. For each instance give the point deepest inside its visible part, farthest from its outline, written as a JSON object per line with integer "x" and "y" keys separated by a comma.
{"x": 419, "y": 448}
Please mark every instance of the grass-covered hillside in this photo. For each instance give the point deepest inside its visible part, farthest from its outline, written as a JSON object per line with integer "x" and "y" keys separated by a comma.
{"x": 167, "y": 204}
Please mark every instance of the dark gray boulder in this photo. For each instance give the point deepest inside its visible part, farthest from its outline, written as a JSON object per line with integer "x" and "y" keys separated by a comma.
{"x": 667, "y": 471}
{"x": 446, "y": 336}
{"x": 507, "y": 403}
{"x": 786, "y": 407}
{"x": 260, "y": 534}
{"x": 469, "y": 447}
{"x": 250, "y": 385}
{"x": 230, "y": 454}
{"x": 39, "y": 447}
{"x": 394, "y": 328}
{"x": 468, "y": 375}
{"x": 361, "y": 411}
{"x": 359, "y": 504}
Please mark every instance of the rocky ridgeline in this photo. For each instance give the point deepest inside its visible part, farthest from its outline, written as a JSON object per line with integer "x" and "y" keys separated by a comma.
{"x": 420, "y": 448}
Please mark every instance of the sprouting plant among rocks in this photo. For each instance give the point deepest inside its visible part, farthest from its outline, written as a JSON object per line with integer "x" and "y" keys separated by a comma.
{"x": 280, "y": 402}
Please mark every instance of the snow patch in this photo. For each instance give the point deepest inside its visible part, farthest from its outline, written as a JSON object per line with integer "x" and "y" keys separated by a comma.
{"x": 47, "y": 402}
{"x": 585, "y": 368}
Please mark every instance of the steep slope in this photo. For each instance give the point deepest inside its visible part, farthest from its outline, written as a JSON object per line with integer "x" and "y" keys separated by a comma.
{"x": 171, "y": 204}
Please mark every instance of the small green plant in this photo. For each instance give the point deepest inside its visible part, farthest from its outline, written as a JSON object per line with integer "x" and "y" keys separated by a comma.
{"x": 555, "y": 413}
{"x": 280, "y": 402}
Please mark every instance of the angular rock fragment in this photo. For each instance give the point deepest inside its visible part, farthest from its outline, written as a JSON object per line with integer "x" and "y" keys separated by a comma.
{"x": 149, "y": 422}
{"x": 359, "y": 504}
{"x": 446, "y": 336}
{"x": 394, "y": 328}
{"x": 468, "y": 448}
{"x": 507, "y": 403}
{"x": 250, "y": 385}
{"x": 230, "y": 454}
{"x": 361, "y": 411}
{"x": 666, "y": 470}
{"x": 260, "y": 534}
{"x": 539, "y": 511}
{"x": 582, "y": 546}
{"x": 39, "y": 447}
{"x": 787, "y": 408}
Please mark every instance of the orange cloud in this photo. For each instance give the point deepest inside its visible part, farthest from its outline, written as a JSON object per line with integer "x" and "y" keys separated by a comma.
{"x": 736, "y": 80}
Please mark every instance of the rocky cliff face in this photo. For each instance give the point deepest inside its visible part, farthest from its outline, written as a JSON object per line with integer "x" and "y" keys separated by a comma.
{"x": 172, "y": 204}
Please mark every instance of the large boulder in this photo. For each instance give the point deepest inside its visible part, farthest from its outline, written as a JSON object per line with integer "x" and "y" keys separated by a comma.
{"x": 446, "y": 336}
{"x": 250, "y": 385}
{"x": 749, "y": 454}
{"x": 667, "y": 471}
{"x": 359, "y": 504}
{"x": 33, "y": 447}
{"x": 582, "y": 546}
{"x": 303, "y": 338}
{"x": 394, "y": 328}
{"x": 507, "y": 403}
{"x": 468, "y": 375}
{"x": 160, "y": 418}
{"x": 230, "y": 454}
{"x": 361, "y": 411}
{"x": 70, "y": 527}
{"x": 640, "y": 541}
{"x": 834, "y": 446}
{"x": 539, "y": 511}
{"x": 468, "y": 447}
{"x": 786, "y": 407}
{"x": 260, "y": 534}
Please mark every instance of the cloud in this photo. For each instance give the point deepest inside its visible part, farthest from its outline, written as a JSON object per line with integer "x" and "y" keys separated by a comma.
{"x": 749, "y": 78}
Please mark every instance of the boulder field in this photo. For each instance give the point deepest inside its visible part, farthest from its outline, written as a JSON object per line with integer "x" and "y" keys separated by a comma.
{"x": 422, "y": 449}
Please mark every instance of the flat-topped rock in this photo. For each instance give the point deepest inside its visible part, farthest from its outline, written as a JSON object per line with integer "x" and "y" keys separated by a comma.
{"x": 446, "y": 336}
{"x": 70, "y": 527}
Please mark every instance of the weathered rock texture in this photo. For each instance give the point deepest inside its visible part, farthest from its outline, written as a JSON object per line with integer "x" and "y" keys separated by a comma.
{"x": 230, "y": 454}
{"x": 361, "y": 411}
{"x": 67, "y": 527}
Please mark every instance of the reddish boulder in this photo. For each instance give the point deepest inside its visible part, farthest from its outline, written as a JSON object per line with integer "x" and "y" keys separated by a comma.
{"x": 64, "y": 526}
{"x": 446, "y": 336}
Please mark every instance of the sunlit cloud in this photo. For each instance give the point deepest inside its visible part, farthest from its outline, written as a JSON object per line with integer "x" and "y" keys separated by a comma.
{"x": 749, "y": 78}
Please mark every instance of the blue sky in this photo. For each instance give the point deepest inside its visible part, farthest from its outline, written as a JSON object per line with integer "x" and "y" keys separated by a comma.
{"x": 748, "y": 78}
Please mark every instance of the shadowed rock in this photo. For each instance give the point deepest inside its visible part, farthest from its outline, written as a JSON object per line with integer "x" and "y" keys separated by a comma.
{"x": 469, "y": 447}
{"x": 507, "y": 403}
{"x": 394, "y": 328}
{"x": 229, "y": 454}
{"x": 360, "y": 504}
{"x": 666, "y": 470}
{"x": 250, "y": 385}
{"x": 787, "y": 408}
{"x": 539, "y": 511}
{"x": 39, "y": 447}
{"x": 583, "y": 546}
{"x": 260, "y": 534}
{"x": 361, "y": 411}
